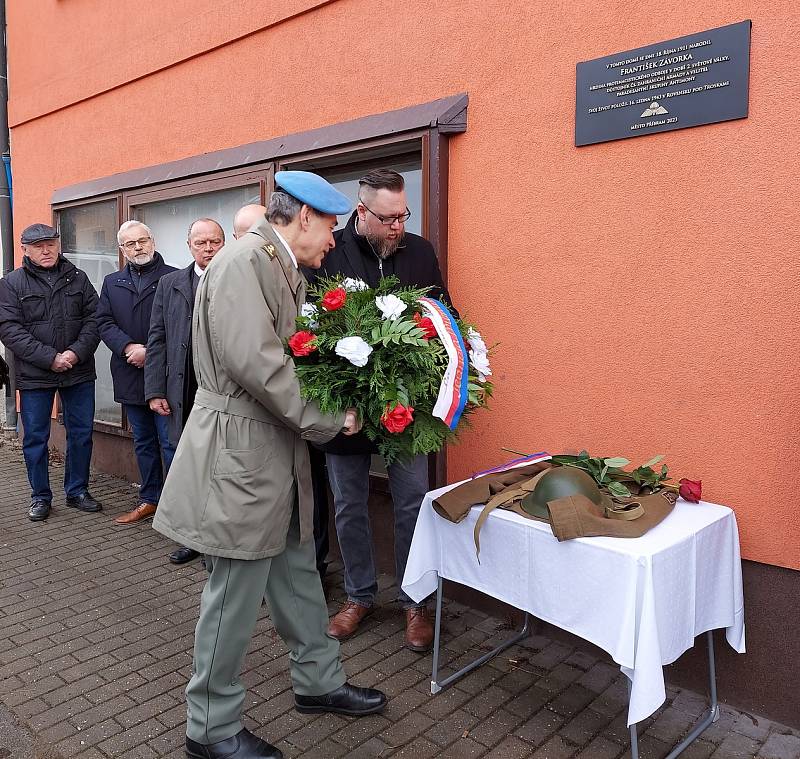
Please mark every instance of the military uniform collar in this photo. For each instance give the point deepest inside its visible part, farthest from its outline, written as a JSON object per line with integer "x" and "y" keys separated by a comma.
{"x": 276, "y": 246}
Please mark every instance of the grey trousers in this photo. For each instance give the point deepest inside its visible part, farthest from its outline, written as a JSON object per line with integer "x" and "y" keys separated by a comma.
{"x": 229, "y": 609}
{"x": 349, "y": 478}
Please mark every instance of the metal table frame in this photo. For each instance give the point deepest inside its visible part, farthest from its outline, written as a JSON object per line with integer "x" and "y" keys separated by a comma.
{"x": 712, "y": 714}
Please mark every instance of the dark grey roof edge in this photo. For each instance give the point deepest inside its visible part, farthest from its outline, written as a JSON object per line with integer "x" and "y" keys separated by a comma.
{"x": 448, "y": 114}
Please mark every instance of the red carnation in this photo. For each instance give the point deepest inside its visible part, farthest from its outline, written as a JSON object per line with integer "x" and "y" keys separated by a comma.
{"x": 690, "y": 490}
{"x": 302, "y": 343}
{"x": 334, "y": 299}
{"x": 426, "y": 325}
{"x": 398, "y": 418}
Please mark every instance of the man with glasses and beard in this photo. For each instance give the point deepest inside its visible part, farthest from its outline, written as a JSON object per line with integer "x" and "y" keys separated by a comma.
{"x": 123, "y": 318}
{"x": 372, "y": 245}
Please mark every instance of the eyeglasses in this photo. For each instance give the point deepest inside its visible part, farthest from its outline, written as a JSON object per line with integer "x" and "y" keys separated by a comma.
{"x": 387, "y": 221}
{"x": 131, "y": 244}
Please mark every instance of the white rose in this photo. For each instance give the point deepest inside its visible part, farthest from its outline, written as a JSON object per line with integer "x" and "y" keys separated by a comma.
{"x": 310, "y": 311}
{"x": 354, "y": 349}
{"x": 390, "y": 306}
{"x": 476, "y": 341}
{"x": 480, "y": 360}
{"x": 351, "y": 285}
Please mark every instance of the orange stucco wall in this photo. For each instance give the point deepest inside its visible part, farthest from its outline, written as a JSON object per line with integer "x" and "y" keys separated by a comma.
{"x": 643, "y": 292}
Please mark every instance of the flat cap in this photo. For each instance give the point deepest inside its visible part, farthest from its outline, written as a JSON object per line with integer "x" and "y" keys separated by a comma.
{"x": 37, "y": 233}
{"x": 312, "y": 190}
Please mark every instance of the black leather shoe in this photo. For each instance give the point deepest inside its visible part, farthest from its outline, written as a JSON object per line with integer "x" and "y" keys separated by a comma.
{"x": 84, "y": 502}
{"x": 243, "y": 745}
{"x": 349, "y": 699}
{"x": 39, "y": 510}
{"x": 183, "y": 555}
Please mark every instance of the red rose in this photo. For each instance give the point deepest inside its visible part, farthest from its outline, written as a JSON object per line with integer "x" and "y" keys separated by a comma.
{"x": 426, "y": 325}
{"x": 690, "y": 490}
{"x": 334, "y": 299}
{"x": 398, "y": 418}
{"x": 302, "y": 343}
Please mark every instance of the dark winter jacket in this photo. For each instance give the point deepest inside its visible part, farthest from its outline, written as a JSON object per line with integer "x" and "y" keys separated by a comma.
{"x": 166, "y": 366}
{"x": 44, "y": 314}
{"x": 414, "y": 263}
{"x": 123, "y": 316}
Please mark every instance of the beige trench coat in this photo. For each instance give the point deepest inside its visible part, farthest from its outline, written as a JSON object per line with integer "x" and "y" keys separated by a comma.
{"x": 242, "y": 455}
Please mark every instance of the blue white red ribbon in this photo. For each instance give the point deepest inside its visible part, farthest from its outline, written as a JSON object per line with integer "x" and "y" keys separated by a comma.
{"x": 514, "y": 463}
{"x": 453, "y": 391}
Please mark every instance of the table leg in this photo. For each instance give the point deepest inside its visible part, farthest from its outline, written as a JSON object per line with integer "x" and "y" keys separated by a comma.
{"x": 711, "y": 716}
{"x": 436, "y": 684}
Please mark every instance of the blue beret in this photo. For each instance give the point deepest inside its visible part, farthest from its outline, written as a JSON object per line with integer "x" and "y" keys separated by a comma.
{"x": 313, "y": 190}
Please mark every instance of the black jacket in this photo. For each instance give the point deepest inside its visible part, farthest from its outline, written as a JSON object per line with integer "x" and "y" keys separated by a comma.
{"x": 169, "y": 342}
{"x": 123, "y": 316}
{"x": 38, "y": 320}
{"x": 414, "y": 263}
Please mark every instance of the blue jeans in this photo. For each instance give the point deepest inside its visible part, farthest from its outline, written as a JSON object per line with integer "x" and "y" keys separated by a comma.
{"x": 349, "y": 478}
{"x": 150, "y": 444}
{"x": 36, "y": 406}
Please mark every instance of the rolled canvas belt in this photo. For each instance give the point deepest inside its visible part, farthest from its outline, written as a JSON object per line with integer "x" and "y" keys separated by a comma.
{"x": 236, "y": 406}
{"x": 504, "y": 499}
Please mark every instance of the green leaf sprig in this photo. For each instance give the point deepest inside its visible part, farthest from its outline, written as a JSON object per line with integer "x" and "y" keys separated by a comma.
{"x": 609, "y": 473}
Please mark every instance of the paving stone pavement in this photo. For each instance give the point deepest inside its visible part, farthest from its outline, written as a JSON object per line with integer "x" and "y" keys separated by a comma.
{"x": 96, "y": 631}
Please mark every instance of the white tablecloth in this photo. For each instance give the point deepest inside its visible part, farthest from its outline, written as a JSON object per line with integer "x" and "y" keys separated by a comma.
{"x": 643, "y": 600}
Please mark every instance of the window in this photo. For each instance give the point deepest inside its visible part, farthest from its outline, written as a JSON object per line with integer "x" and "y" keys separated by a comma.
{"x": 89, "y": 240}
{"x": 170, "y": 219}
{"x": 169, "y": 196}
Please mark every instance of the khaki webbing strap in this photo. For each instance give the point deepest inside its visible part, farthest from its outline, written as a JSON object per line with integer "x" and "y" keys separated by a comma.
{"x": 626, "y": 511}
{"x": 512, "y": 493}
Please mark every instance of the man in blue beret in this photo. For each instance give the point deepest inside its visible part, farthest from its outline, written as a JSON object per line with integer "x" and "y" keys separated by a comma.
{"x": 239, "y": 489}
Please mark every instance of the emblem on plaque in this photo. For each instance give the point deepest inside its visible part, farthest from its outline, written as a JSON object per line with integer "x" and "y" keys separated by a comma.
{"x": 654, "y": 109}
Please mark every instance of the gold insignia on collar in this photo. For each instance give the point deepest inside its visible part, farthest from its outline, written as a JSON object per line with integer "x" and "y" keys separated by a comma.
{"x": 269, "y": 249}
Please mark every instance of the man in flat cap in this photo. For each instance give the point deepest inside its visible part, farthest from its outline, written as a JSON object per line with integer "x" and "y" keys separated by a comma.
{"x": 47, "y": 320}
{"x": 239, "y": 489}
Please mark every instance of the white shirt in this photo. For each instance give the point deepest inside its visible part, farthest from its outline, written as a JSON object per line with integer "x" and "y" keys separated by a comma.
{"x": 286, "y": 245}
{"x": 198, "y": 270}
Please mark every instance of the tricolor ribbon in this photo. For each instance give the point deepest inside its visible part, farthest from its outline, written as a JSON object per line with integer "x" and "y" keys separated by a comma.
{"x": 523, "y": 461}
{"x": 453, "y": 391}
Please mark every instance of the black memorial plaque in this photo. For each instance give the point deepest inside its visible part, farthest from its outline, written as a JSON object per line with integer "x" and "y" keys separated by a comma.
{"x": 698, "y": 79}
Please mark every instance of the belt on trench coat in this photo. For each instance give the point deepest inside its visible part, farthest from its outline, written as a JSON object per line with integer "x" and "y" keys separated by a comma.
{"x": 235, "y": 406}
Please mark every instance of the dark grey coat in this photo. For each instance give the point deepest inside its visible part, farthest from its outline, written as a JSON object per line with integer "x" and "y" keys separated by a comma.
{"x": 38, "y": 321}
{"x": 168, "y": 343}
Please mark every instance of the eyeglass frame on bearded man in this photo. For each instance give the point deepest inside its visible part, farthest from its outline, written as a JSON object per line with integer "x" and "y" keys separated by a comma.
{"x": 387, "y": 221}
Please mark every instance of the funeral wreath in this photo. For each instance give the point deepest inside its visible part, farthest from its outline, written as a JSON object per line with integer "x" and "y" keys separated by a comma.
{"x": 413, "y": 370}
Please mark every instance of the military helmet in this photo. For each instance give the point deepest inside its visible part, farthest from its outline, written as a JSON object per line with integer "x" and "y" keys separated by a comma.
{"x": 560, "y": 482}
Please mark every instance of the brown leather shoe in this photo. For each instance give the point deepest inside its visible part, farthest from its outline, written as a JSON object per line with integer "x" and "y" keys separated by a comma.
{"x": 139, "y": 514}
{"x": 419, "y": 629}
{"x": 347, "y": 620}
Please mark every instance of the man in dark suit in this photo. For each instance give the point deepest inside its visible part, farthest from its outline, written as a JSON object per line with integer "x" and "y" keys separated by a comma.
{"x": 123, "y": 318}
{"x": 169, "y": 379}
